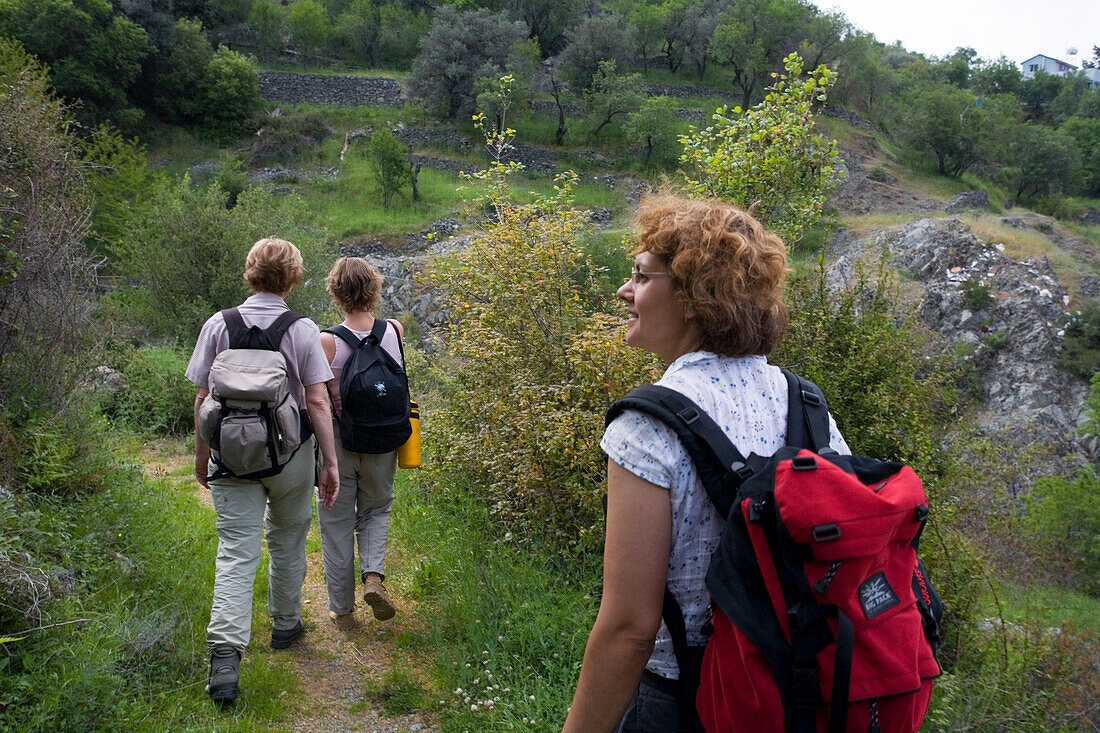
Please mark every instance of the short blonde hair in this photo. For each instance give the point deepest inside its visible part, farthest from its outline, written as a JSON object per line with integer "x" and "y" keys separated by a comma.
{"x": 727, "y": 269}
{"x": 273, "y": 266}
{"x": 354, "y": 284}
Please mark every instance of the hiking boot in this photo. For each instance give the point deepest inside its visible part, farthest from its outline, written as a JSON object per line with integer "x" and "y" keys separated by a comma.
{"x": 283, "y": 639}
{"x": 225, "y": 671}
{"x": 374, "y": 593}
{"x": 345, "y": 621}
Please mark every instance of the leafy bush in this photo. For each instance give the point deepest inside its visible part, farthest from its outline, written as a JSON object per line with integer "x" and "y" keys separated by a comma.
{"x": 158, "y": 398}
{"x": 1080, "y": 353}
{"x": 46, "y": 274}
{"x": 286, "y": 135}
{"x": 183, "y": 255}
{"x": 768, "y": 159}
{"x": 976, "y": 295}
{"x": 525, "y": 315}
{"x": 232, "y": 95}
{"x": 389, "y": 159}
{"x": 1065, "y": 514}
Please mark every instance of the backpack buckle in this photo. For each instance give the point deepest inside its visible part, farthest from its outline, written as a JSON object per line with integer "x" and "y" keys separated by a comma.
{"x": 688, "y": 414}
{"x": 811, "y": 398}
{"x": 741, "y": 470}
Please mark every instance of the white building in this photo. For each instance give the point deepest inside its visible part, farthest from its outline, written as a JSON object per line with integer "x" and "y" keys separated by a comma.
{"x": 1047, "y": 65}
{"x": 1056, "y": 67}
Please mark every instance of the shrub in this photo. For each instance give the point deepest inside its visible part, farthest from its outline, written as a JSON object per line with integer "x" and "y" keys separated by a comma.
{"x": 232, "y": 95}
{"x": 1080, "y": 353}
{"x": 768, "y": 158}
{"x": 286, "y": 135}
{"x": 46, "y": 275}
{"x": 158, "y": 398}
{"x": 525, "y": 315}
{"x": 183, "y": 255}
{"x": 976, "y": 295}
{"x": 389, "y": 159}
{"x": 1065, "y": 514}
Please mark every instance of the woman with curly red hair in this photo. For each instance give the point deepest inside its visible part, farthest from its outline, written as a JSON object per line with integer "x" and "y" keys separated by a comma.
{"x": 705, "y": 295}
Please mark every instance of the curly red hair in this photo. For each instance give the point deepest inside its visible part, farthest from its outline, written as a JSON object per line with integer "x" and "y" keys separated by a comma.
{"x": 726, "y": 268}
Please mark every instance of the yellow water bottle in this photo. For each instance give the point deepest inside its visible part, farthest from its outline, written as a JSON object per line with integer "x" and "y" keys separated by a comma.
{"x": 408, "y": 455}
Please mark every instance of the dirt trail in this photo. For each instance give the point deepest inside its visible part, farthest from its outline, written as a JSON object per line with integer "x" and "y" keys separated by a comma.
{"x": 336, "y": 671}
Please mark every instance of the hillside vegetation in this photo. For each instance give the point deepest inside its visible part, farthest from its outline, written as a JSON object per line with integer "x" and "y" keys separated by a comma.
{"x": 495, "y": 191}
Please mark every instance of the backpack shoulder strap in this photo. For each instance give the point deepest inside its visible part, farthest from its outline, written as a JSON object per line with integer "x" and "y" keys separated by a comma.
{"x": 343, "y": 333}
{"x": 234, "y": 325}
{"x": 720, "y": 466}
{"x": 807, "y": 414}
{"x": 279, "y": 327}
{"x": 378, "y": 330}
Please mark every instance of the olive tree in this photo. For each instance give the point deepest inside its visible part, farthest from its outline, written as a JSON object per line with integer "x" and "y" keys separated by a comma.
{"x": 461, "y": 47}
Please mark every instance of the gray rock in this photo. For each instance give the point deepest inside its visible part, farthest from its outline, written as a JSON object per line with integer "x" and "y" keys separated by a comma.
{"x": 1091, "y": 217}
{"x": 968, "y": 200}
{"x": 1023, "y": 394}
{"x": 112, "y": 380}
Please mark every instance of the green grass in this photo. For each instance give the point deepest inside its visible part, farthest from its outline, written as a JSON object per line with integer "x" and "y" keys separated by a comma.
{"x": 343, "y": 68}
{"x": 142, "y": 551}
{"x": 1050, "y": 607}
{"x": 503, "y": 623}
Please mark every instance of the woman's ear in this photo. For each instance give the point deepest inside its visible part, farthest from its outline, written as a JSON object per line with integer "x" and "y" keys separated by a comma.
{"x": 689, "y": 312}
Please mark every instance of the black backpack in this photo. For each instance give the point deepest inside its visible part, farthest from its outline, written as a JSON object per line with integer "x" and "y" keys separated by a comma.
{"x": 374, "y": 390}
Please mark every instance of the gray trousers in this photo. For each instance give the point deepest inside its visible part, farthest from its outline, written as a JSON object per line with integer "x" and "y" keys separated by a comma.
{"x": 283, "y": 505}
{"x": 360, "y": 515}
{"x": 652, "y": 710}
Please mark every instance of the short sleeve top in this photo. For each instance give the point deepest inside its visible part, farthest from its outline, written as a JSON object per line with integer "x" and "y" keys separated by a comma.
{"x": 301, "y": 346}
{"x": 747, "y": 397}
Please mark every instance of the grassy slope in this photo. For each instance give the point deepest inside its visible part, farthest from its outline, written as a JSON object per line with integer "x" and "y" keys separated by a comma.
{"x": 476, "y": 593}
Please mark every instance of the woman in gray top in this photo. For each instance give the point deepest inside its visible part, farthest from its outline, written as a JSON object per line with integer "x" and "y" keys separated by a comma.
{"x": 283, "y": 501}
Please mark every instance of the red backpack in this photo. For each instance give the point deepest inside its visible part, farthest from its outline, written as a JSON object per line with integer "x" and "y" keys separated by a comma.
{"x": 823, "y": 617}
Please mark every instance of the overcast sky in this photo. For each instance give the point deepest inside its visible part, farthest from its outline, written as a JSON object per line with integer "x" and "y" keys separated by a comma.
{"x": 1014, "y": 28}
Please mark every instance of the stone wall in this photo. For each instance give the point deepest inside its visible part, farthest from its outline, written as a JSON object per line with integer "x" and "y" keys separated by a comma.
{"x": 287, "y": 86}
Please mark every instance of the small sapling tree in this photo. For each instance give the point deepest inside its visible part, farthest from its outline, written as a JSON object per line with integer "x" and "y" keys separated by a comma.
{"x": 389, "y": 159}
{"x": 769, "y": 158}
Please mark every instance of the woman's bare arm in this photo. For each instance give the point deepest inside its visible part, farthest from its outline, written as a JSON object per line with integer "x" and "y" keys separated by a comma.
{"x": 639, "y": 530}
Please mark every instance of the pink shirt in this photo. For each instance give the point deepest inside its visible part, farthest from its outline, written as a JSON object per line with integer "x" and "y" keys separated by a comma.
{"x": 389, "y": 344}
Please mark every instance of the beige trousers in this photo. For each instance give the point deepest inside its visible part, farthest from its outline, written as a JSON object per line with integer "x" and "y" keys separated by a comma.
{"x": 360, "y": 515}
{"x": 281, "y": 504}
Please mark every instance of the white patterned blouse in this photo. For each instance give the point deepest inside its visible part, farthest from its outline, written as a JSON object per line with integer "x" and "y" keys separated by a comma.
{"x": 747, "y": 397}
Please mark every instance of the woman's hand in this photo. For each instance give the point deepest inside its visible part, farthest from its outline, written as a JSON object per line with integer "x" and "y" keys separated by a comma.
{"x": 639, "y": 531}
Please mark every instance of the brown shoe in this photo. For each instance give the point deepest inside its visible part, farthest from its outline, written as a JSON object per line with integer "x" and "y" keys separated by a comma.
{"x": 345, "y": 621}
{"x": 374, "y": 593}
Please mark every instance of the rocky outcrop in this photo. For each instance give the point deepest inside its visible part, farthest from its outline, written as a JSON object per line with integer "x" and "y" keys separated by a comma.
{"x": 865, "y": 191}
{"x": 1010, "y": 323}
{"x": 288, "y": 86}
{"x": 967, "y": 200}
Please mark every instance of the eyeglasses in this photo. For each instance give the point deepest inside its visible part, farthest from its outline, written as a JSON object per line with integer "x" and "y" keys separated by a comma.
{"x": 637, "y": 276}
